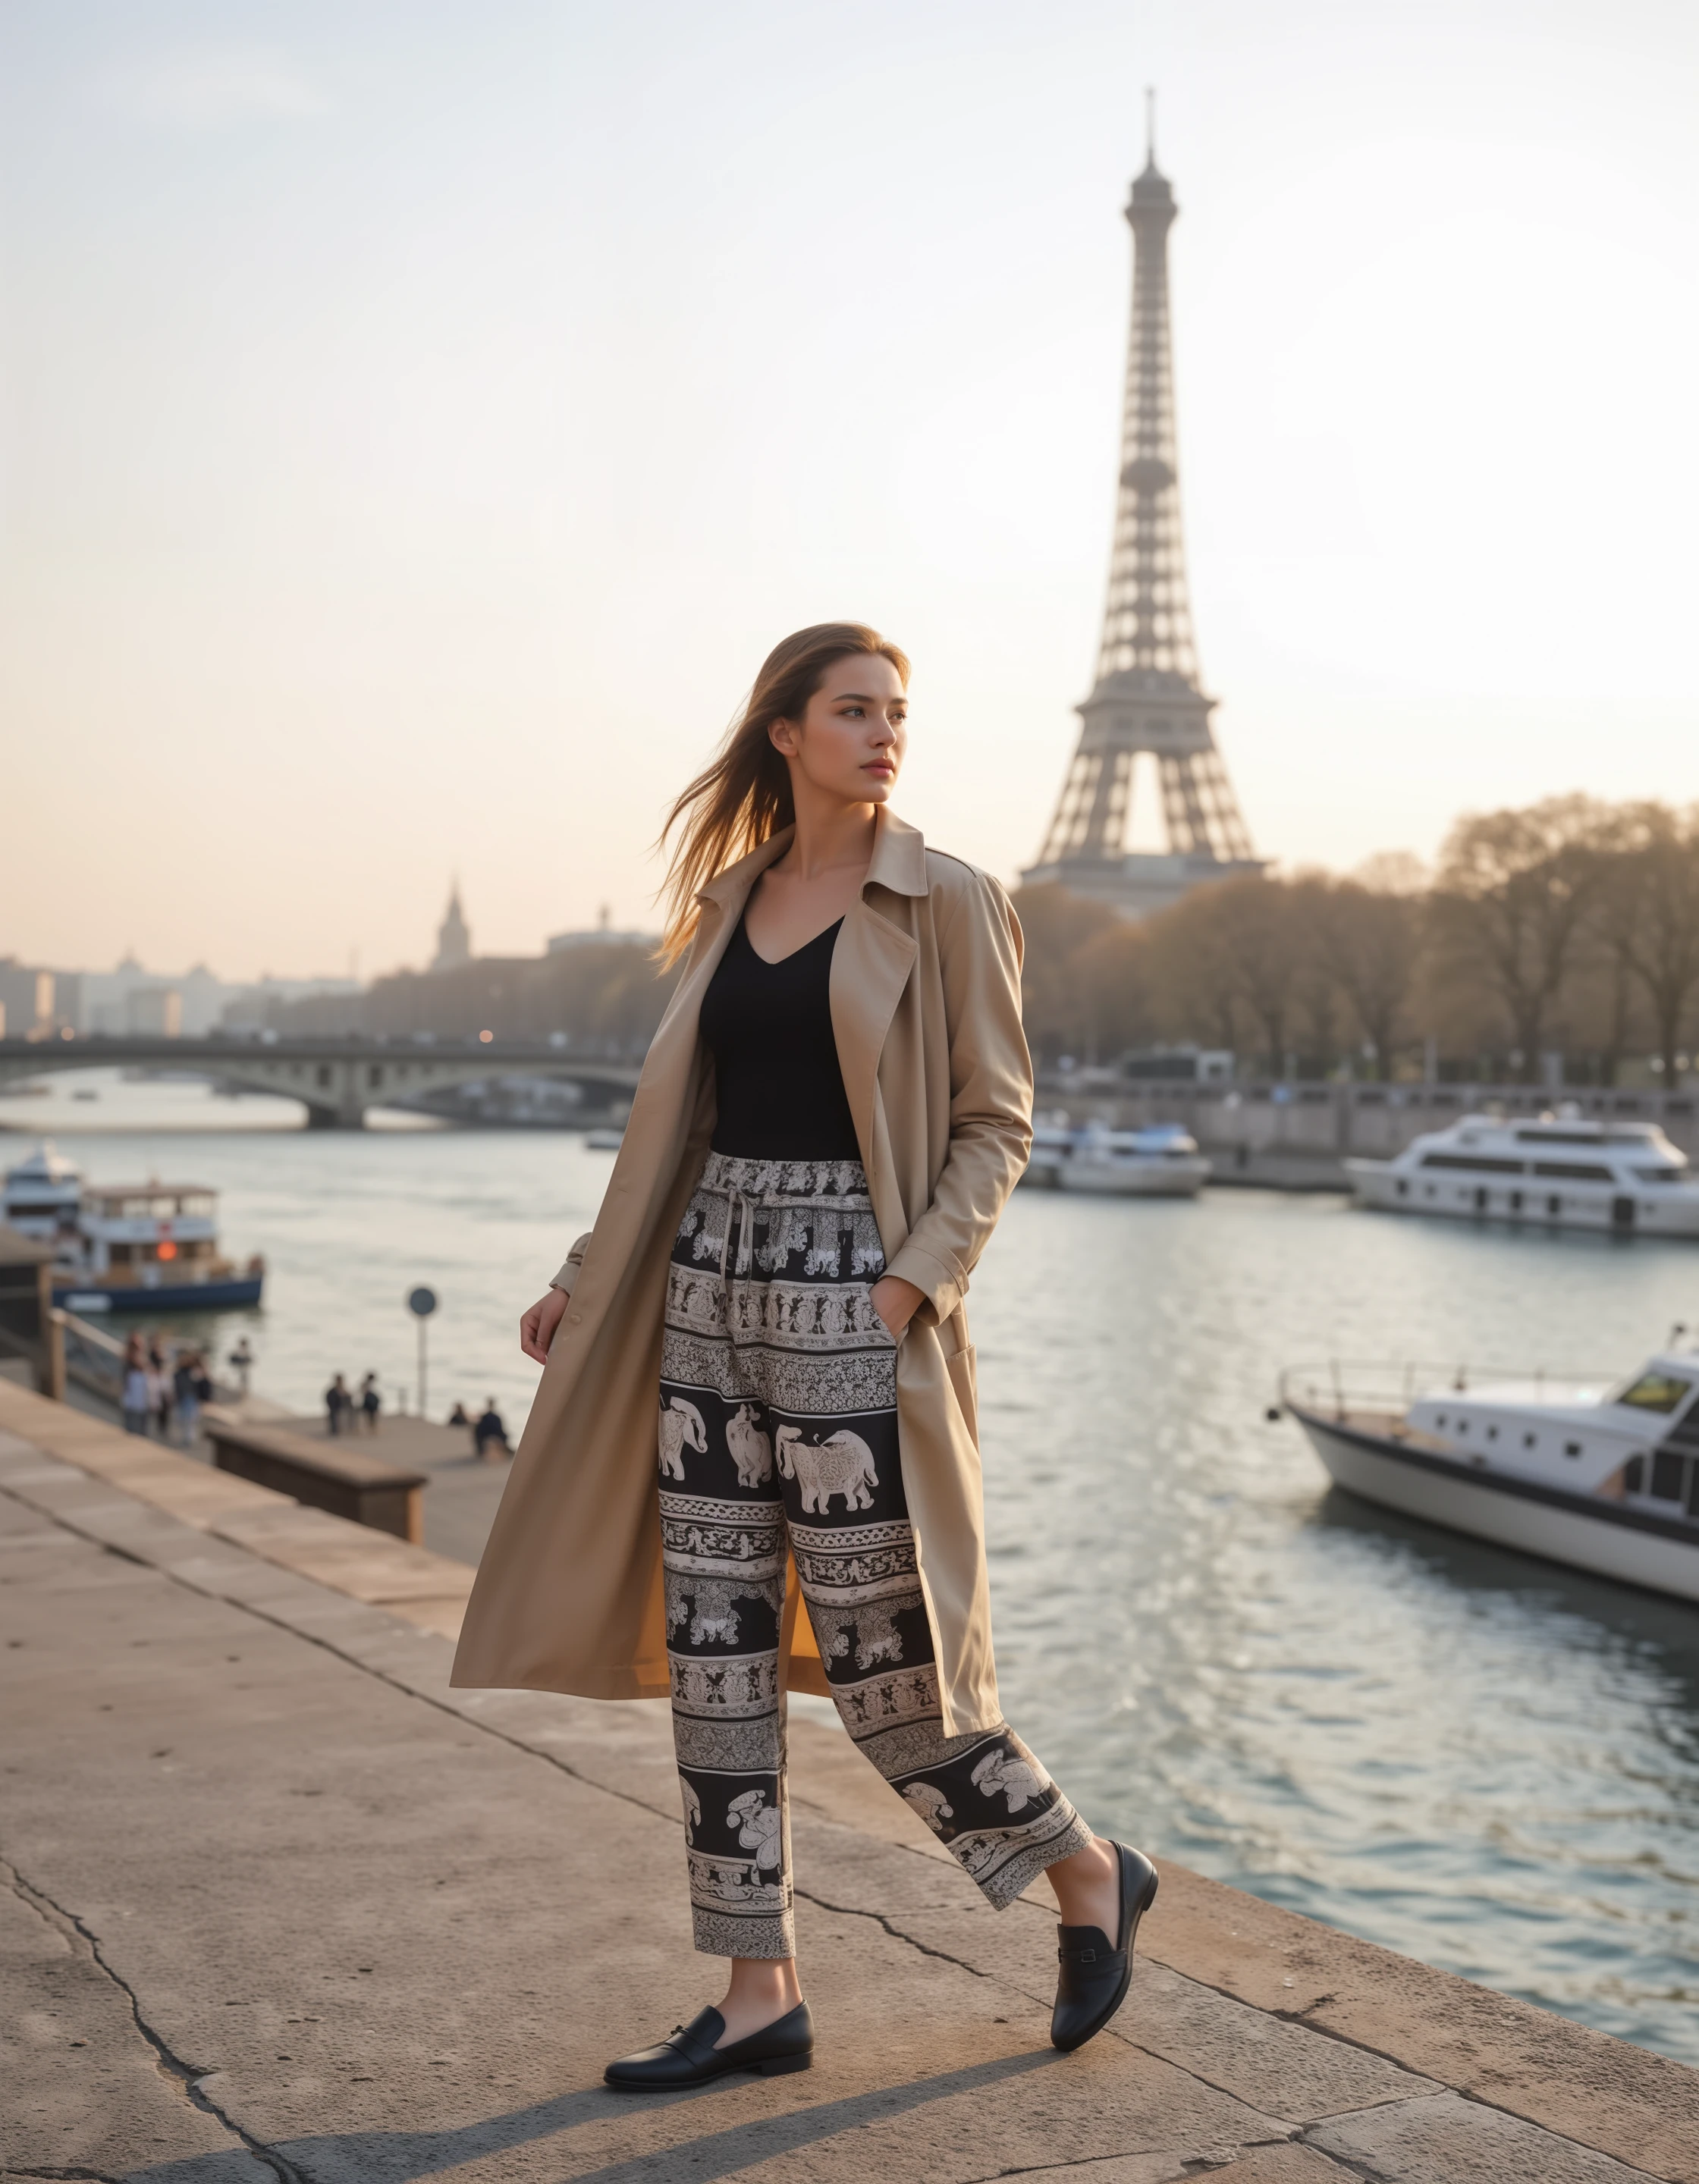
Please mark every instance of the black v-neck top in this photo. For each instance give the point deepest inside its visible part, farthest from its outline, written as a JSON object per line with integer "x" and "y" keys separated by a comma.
{"x": 768, "y": 1029}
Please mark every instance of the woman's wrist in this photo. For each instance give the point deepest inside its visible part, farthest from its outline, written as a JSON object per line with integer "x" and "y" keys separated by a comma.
{"x": 896, "y": 1301}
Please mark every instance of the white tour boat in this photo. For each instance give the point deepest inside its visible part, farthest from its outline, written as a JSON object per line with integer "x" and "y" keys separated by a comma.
{"x": 137, "y": 1247}
{"x": 1548, "y": 1171}
{"x": 1162, "y": 1162}
{"x": 1603, "y": 1475}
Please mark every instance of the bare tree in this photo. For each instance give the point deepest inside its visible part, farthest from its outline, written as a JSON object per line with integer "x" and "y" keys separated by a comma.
{"x": 1054, "y": 1001}
{"x": 1662, "y": 945}
{"x": 1514, "y": 892}
{"x": 1372, "y": 941}
{"x": 1195, "y": 985}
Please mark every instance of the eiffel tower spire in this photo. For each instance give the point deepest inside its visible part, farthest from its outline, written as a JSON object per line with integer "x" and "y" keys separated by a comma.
{"x": 1148, "y": 696}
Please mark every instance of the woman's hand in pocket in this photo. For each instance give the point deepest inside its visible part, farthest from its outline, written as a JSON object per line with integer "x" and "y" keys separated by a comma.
{"x": 537, "y": 1328}
{"x": 896, "y": 1301}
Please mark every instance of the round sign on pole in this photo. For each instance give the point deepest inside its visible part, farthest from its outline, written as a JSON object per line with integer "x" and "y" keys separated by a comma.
{"x": 421, "y": 1303}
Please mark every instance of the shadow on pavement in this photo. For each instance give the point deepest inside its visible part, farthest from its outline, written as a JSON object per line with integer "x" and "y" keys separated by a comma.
{"x": 388, "y": 2157}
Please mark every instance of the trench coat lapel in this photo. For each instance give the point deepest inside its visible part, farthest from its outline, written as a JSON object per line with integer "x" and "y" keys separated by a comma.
{"x": 870, "y": 968}
{"x": 722, "y": 905}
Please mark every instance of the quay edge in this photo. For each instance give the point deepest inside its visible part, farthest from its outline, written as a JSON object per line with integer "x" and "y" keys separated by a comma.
{"x": 246, "y": 1813}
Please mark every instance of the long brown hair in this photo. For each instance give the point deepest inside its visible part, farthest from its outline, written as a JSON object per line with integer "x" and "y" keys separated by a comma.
{"x": 743, "y": 796}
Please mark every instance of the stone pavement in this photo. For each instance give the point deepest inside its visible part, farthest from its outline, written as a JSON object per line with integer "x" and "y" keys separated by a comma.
{"x": 459, "y": 1502}
{"x": 279, "y": 1904}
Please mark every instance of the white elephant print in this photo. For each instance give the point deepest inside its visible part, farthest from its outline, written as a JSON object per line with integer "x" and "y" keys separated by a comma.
{"x": 844, "y": 1464}
{"x": 1021, "y": 1781}
{"x": 759, "y": 1829}
{"x": 713, "y": 1618}
{"x": 930, "y": 1803}
{"x": 693, "y": 1809}
{"x": 681, "y": 1426}
{"x": 751, "y": 1450}
{"x": 877, "y": 1636}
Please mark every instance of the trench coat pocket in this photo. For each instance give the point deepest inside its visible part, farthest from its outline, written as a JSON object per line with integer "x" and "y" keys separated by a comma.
{"x": 964, "y": 1381}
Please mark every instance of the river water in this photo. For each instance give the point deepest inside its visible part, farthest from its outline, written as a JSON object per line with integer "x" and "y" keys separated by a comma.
{"x": 1482, "y": 1761}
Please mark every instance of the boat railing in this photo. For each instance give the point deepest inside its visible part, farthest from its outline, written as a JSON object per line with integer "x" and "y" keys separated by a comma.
{"x": 1340, "y": 1389}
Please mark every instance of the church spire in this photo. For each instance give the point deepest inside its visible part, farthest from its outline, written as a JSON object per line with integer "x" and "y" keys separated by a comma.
{"x": 453, "y": 939}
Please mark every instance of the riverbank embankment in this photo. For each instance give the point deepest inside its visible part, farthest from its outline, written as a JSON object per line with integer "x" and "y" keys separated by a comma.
{"x": 1277, "y": 1135}
{"x": 280, "y": 1904}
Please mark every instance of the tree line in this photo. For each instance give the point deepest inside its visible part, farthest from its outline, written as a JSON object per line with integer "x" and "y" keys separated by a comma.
{"x": 604, "y": 997}
{"x": 1570, "y": 927}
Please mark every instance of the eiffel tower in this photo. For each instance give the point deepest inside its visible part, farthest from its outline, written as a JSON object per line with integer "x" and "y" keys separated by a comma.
{"x": 1147, "y": 697}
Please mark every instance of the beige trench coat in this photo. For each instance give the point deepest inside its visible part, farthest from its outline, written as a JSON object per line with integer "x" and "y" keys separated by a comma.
{"x": 926, "y": 1005}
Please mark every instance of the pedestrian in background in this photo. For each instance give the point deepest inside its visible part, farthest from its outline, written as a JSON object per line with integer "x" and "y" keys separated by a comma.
{"x": 838, "y": 1099}
{"x": 370, "y": 1401}
{"x": 489, "y": 1434}
{"x": 338, "y": 1405}
{"x": 137, "y": 1400}
{"x": 241, "y": 1363}
{"x": 159, "y": 1388}
{"x": 187, "y": 1380}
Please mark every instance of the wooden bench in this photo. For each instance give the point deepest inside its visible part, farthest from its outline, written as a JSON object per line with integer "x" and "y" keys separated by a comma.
{"x": 342, "y": 1482}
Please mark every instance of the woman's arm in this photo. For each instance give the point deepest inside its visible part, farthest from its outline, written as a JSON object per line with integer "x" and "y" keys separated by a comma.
{"x": 537, "y": 1327}
{"x": 990, "y": 1098}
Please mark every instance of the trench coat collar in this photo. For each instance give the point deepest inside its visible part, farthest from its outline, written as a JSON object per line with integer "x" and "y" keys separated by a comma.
{"x": 897, "y": 862}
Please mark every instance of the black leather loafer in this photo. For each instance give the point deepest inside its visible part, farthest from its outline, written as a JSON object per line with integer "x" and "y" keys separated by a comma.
{"x": 689, "y": 2057}
{"x": 1095, "y": 1977}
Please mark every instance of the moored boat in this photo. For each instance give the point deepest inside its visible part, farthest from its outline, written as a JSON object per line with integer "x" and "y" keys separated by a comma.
{"x": 1553, "y": 1171}
{"x": 136, "y": 1247}
{"x": 1160, "y": 1162}
{"x": 1601, "y": 1474}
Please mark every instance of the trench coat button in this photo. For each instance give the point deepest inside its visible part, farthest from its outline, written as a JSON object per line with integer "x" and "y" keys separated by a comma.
{"x": 575, "y": 1317}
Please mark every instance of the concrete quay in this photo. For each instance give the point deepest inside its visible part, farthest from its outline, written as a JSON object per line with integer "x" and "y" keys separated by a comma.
{"x": 1270, "y": 1135}
{"x": 279, "y": 1905}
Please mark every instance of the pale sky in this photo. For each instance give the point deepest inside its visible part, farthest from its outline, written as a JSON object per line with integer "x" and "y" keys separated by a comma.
{"x": 419, "y": 420}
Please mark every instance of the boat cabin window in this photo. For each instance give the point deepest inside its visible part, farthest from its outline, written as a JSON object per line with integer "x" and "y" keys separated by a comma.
{"x": 1667, "y": 1467}
{"x": 1575, "y": 1170}
{"x": 1558, "y": 1137}
{"x": 1477, "y": 1164}
{"x": 1660, "y": 1174}
{"x": 1664, "y": 1392}
{"x": 1634, "y": 1475}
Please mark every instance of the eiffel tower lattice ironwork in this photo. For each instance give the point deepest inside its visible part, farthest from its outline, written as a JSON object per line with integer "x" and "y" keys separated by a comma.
{"x": 1147, "y": 697}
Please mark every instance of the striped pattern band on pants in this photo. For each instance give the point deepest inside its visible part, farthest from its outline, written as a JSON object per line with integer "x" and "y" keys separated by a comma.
{"x": 779, "y": 1428}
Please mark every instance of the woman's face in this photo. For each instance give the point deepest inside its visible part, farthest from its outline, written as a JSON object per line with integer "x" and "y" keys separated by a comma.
{"x": 849, "y": 742}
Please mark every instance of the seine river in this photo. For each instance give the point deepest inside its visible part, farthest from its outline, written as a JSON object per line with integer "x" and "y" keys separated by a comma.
{"x": 1478, "y": 1760}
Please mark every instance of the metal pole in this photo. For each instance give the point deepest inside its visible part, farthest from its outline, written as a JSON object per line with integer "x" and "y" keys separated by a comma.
{"x": 421, "y": 1367}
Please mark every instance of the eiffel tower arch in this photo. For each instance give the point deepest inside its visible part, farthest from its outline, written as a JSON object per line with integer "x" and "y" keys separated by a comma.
{"x": 1148, "y": 695}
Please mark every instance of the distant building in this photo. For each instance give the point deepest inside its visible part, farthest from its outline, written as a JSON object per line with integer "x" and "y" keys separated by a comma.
{"x": 454, "y": 938}
{"x": 26, "y": 998}
{"x": 132, "y": 1002}
{"x": 155, "y": 1012}
{"x": 601, "y": 934}
{"x": 1178, "y": 1065}
{"x": 260, "y": 1006}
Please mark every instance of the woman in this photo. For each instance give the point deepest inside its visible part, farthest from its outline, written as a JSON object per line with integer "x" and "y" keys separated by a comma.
{"x": 831, "y": 1116}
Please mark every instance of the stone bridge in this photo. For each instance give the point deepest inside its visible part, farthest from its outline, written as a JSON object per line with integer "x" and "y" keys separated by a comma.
{"x": 335, "y": 1080}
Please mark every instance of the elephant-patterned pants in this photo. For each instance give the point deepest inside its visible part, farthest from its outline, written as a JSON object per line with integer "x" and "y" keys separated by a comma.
{"x": 778, "y": 1428}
